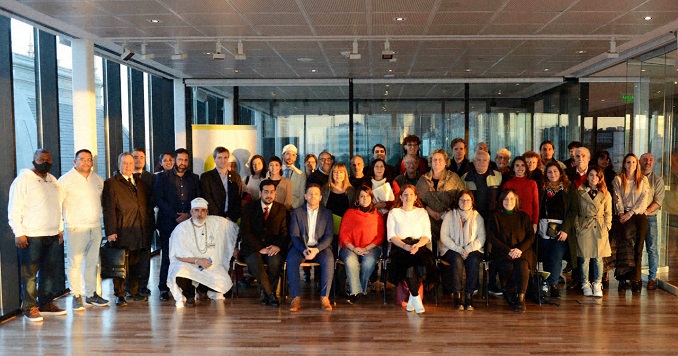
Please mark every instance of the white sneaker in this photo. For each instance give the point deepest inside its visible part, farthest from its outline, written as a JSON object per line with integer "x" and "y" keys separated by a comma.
{"x": 410, "y": 304}
{"x": 598, "y": 290}
{"x": 418, "y": 304}
{"x": 588, "y": 292}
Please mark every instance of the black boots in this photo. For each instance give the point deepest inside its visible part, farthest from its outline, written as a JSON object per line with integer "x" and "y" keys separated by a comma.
{"x": 636, "y": 286}
{"x": 510, "y": 298}
{"x": 520, "y": 303}
{"x": 457, "y": 301}
{"x": 468, "y": 302}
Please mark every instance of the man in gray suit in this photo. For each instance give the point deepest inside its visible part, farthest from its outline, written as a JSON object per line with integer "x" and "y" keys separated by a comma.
{"x": 298, "y": 177}
{"x": 311, "y": 232}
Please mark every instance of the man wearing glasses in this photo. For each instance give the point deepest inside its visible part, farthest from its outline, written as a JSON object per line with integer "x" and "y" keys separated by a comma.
{"x": 321, "y": 175}
{"x": 411, "y": 144}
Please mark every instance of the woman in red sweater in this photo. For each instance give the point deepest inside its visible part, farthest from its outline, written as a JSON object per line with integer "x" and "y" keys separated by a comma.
{"x": 360, "y": 238}
{"x": 526, "y": 188}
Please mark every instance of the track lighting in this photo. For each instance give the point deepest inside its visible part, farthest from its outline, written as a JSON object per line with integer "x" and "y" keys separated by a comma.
{"x": 127, "y": 53}
{"x": 612, "y": 53}
{"x": 354, "y": 54}
{"x": 387, "y": 53}
{"x": 217, "y": 52}
{"x": 240, "y": 52}
{"x": 145, "y": 55}
{"x": 178, "y": 55}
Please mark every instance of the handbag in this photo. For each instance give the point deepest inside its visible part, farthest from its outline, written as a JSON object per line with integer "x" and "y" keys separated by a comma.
{"x": 552, "y": 230}
{"x": 113, "y": 261}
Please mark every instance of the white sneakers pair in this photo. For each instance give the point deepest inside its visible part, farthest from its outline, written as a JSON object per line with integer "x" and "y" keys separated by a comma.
{"x": 415, "y": 304}
{"x": 593, "y": 289}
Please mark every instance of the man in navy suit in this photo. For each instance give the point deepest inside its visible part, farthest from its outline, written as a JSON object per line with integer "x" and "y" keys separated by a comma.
{"x": 263, "y": 231}
{"x": 221, "y": 187}
{"x": 311, "y": 231}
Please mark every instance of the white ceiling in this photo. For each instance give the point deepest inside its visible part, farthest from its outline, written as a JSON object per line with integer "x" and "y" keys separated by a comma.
{"x": 438, "y": 39}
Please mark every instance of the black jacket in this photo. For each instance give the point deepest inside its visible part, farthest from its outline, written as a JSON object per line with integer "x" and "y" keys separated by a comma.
{"x": 213, "y": 191}
{"x": 168, "y": 200}
{"x": 255, "y": 233}
{"x": 126, "y": 212}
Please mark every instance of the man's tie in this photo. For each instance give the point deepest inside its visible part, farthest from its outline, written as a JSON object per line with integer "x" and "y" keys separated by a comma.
{"x": 265, "y": 213}
{"x": 130, "y": 182}
{"x": 288, "y": 172}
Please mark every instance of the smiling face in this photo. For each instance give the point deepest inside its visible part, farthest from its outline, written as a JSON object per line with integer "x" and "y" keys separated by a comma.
{"x": 167, "y": 162}
{"x": 83, "y": 163}
{"x": 532, "y": 163}
{"x": 412, "y": 148}
{"x": 257, "y": 165}
{"x": 313, "y": 197}
{"x": 274, "y": 168}
{"x": 509, "y": 203}
{"x": 630, "y": 165}
{"x": 519, "y": 169}
{"x": 379, "y": 153}
{"x": 325, "y": 161}
{"x": 408, "y": 197}
{"x": 338, "y": 176}
{"x": 290, "y": 157}
{"x": 438, "y": 163}
{"x": 553, "y": 174}
{"x": 364, "y": 199}
{"x": 465, "y": 202}
{"x": 126, "y": 165}
{"x": 379, "y": 170}
{"x": 593, "y": 179}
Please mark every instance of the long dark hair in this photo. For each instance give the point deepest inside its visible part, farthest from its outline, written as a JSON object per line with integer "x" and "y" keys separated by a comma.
{"x": 368, "y": 190}
{"x": 563, "y": 177}
{"x": 506, "y": 192}
{"x": 602, "y": 186}
{"x": 264, "y": 169}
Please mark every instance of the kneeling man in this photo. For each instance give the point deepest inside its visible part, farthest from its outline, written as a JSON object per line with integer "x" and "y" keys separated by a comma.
{"x": 311, "y": 231}
{"x": 200, "y": 250}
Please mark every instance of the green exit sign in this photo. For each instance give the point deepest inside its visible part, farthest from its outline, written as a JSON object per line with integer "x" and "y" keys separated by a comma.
{"x": 627, "y": 98}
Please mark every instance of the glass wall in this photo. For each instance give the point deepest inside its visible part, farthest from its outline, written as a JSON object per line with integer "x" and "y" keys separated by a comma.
{"x": 23, "y": 61}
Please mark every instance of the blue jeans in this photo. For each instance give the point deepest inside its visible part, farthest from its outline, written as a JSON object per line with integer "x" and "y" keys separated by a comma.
{"x": 41, "y": 255}
{"x": 552, "y": 252}
{"x": 651, "y": 246}
{"x": 326, "y": 260}
{"x": 359, "y": 268}
{"x": 597, "y": 269}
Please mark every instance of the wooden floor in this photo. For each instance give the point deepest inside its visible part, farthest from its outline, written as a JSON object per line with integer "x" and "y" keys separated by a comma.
{"x": 644, "y": 323}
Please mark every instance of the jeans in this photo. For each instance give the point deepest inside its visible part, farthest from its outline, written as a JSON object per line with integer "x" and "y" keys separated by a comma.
{"x": 82, "y": 248}
{"x": 41, "y": 255}
{"x": 552, "y": 252}
{"x": 597, "y": 269}
{"x": 326, "y": 260}
{"x": 651, "y": 246}
{"x": 359, "y": 268}
{"x": 456, "y": 270}
{"x": 268, "y": 280}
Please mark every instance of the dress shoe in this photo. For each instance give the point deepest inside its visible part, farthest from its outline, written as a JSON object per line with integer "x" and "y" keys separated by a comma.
{"x": 468, "y": 302}
{"x": 263, "y": 300}
{"x": 554, "y": 293}
{"x": 520, "y": 303}
{"x": 353, "y": 298}
{"x": 145, "y": 291}
{"x": 164, "y": 296}
{"x": 202, "y": 296}
{"x": 636, "y": 286}
{"x": 510, "y": 298}
{"x": 651, "y": 284}
{"x": 295, "y": 304}
{"x": 273, "y": 301}
{"x": 140, "y": 298}
{"x": 120, "y": 301}
{"x": 190, "y": 302}
{"x": 623, "y": 285}
{"x": 457, "y": 301}
{"x": 325, "y": 303}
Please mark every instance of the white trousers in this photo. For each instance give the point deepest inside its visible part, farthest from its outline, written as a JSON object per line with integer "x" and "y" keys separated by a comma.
{"x": 82, "y": 250}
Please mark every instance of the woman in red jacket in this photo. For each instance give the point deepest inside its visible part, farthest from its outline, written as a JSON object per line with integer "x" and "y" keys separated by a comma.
{"x": 360, "y": 238}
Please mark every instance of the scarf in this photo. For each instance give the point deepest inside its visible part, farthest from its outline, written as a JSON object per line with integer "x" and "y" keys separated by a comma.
{"x": 466, "y": 220}
{"x": 552, "y": 191}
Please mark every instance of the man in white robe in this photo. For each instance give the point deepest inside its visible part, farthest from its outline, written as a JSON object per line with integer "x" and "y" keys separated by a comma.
{"x": 200, "y": 250}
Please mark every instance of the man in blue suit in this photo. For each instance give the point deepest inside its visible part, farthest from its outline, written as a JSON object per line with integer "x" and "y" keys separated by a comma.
{"x": 311, "y": 231}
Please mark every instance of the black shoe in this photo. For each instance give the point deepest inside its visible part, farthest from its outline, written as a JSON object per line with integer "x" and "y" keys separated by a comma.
{"x": 120, "y": 301}
{"x": 520, "y": 303}
{"x": 140, "y": 298}
{"x": 457, "y": 301}
{"x": 636, "y": 286}
{"x": 190, "y": 302}
{"x": 263, "y": 299}
{"x": 554, "y": 293}
{"x": 468, "y": 302}
{"x": 145, "y": 291}
{"x": 273, "y": 301}
{"x": 623, "y": 285}
{"x": 164, "y": 295}
{"x": 352, "y": 298}
{"x": 202, "y": 296}
{"x": 510, "y": 298}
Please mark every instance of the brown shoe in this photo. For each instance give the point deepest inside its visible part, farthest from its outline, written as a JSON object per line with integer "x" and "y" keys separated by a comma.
{"x": 325, "y": 303}
{"x": 651, "y": 284}
{"x": 51, "y": 309}
{"x": 33, "y": 314}
{"x": 295, "y": 304}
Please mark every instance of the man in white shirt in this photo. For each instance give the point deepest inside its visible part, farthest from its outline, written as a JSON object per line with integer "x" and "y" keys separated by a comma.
{"x": 654, "y": 203}
{"x": 80, "y": 201}
{"x": 34, "y": 214}
{"x": 311, "y": 232}
{"x": 297, "y": 176}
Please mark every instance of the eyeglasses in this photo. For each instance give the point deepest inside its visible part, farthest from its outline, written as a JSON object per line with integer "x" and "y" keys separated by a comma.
{"x": 325, "y": 160}
{"x": 89, "y": 160}
{"x": 412, "y": 145}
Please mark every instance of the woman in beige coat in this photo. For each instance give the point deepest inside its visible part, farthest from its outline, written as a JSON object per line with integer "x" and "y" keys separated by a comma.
{"x": 593, "y": 223}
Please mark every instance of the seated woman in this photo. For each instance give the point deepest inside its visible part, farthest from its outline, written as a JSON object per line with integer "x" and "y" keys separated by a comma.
{"x": 409, "y": 232}
{"x": 338, "y": 194}
{"x": 511, "y": 234}
{"x": 384, "y": 188}
{"x": 462, "y": 237}
{"x": 360, "y": 238}
{"x": 593, "y": 224}
{"x": 283, "y": 186}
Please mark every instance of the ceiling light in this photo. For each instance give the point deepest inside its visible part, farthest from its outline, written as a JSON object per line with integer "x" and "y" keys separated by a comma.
{"x": 546, "y": 69}
{"x": 354, "y": 54}
{"x": 217, "y": 52}
{"x": 387, "y": 53}
{"x": 127, "y": 53}
{"x": 305, "y": 59}
{"x": 178, "y": 55}
{"x": 313, "y": 70}
{"x": 144, "y": 54}
{"x": 390, "y": 70}
{"x": 236, "y": 71}
{"x": 648, "y": 18}
{"x": 467, "y": 70}
{"x": 612, "y": 53}
{"x": 240, "y": 52}
{"x": 581, "y": 52}
{"x": 399, "y": 18}
{"x": 154, "y": 21}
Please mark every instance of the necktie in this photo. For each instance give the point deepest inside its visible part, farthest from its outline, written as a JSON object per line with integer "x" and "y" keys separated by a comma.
{"x": 265, "y": 213}
{"x": 130, "y": 182}
{"x": 287, "y": 172}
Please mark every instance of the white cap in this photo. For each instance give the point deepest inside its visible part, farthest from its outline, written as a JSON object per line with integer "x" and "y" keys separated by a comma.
{"x": 198, "y": 203}
{"x": 289, "y": 147}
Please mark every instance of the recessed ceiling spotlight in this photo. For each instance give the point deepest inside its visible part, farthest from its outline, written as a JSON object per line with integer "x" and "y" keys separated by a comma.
{"x": 208, "y": 53}
{"x": 648, "y": 18}
{"x": 546, "y": 69}
{"x": 517, "y": 83}
{"x": 399, "y": 18}
{"x": 313, "y": 70}
{"x": 468, "y": 70}
{"x": 305, "y": 59}
{"x": 154, "y": 21}
{"x": 581, "y": 52}
{"x": 388, "y": 85}
{"x": 642, "y": 70}
{"x": 390, "y": 70}
{"x": 236, "y": 71}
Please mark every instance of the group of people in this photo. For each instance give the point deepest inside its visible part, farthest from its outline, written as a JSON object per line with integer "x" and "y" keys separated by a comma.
{"x": 445, "y": 209}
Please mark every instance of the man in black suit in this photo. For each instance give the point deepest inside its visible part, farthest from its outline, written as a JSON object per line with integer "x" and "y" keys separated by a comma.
{"x": 127, "y": 223}
{"x": 173, "y": 191}
{"x": 140, "y": 172}
{"x": 222, "y": 188}
{"x": 263, "y": 232}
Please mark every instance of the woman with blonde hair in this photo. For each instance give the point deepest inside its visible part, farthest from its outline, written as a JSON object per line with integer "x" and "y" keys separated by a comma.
{"x": 630, "y": 188}
{"x": 338, "y": 194}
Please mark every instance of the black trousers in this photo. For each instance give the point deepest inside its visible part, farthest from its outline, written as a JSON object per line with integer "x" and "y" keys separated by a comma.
{"x": 267, "y": 277}
{"x": 187, "y": 288}
{"x": 134, "y": 266}
{"x": 514, "y": 273}
{"x": 412, "y": 268}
